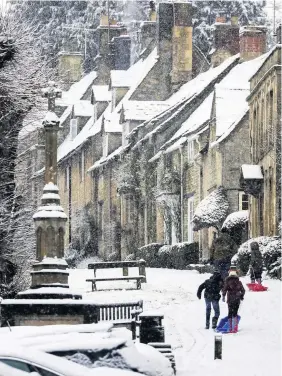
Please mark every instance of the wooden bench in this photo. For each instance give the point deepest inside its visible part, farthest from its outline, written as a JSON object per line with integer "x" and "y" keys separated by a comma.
{"x": 166, "y": 350}
{"x": 120, "y": 314}
{"x": 119, "y": 264}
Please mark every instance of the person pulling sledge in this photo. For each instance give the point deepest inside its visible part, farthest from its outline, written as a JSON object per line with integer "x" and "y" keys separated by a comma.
{"x": 212, "y": 287}
{"x": 256, "y": 263}
{"x": 235, "y": 292}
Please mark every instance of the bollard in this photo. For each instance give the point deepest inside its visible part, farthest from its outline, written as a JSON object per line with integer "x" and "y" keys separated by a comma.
{"x": 125, "y": 271}
{"x": 218, "y": 347}
{"x": 151, "y": 329}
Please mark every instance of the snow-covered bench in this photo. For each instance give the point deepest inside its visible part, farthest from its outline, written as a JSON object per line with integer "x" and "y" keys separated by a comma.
{"x": 120, "y": 314}
{"x": 124, "y": 265}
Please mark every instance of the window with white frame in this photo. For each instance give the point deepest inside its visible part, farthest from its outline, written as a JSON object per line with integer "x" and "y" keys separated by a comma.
{"x": 190, "y": 208}
{"x": 243, "y": 201}
{"x": 190, "y": 151}
{"x": 105, "y": 144}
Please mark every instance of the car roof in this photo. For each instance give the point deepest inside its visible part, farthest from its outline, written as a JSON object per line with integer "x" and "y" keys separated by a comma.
{"x": 34, "y": 331}
{"x": 80, "y": 343}
{"x": 52, "y": 362}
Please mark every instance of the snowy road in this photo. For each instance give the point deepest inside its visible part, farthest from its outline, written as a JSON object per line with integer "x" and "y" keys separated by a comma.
{"x": 254, "y": 351}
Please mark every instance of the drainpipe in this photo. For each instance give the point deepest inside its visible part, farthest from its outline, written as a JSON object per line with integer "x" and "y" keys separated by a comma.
{"x": 181, "y": 193}
{"x": 199, "y": 183}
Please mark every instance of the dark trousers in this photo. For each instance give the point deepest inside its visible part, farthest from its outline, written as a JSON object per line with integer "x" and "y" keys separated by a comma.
{"x": 233, "y": 309}
{"x": 215, "y": 306}
{"x": 255, "y": 274}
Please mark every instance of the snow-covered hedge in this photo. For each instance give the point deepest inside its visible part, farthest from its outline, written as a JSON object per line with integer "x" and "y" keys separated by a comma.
{"x": 243, "y": 257}
{"x": 235, "y": 219}
{"x": 114, "y": 256}
{"x": 212, "y": 210}
{"x": 178, "y": 256}
{"x": 130, "y": 257}
{"x": 275, "y": 269}
{"x": 73, "y": 257}
{"x": 271, "y": 253}
{"x": 149, "y": 253}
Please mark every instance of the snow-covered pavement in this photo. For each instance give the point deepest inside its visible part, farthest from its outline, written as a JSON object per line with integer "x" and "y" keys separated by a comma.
{"x": 254, "y": 351}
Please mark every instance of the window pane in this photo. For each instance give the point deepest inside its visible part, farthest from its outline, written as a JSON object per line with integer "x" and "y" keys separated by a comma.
{"x": 44, "y": 372}
{"x": 17, "y": 364}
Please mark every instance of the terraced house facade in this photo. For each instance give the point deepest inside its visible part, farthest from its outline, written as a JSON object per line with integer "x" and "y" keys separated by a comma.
{"x": 146, "y": 145}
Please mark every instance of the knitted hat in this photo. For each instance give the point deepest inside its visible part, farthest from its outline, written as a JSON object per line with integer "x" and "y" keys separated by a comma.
{"x": 233, "y": 270}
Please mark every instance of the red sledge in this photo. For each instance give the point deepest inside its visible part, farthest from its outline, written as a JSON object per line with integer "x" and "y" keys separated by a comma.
{"x": 256, "y": 287}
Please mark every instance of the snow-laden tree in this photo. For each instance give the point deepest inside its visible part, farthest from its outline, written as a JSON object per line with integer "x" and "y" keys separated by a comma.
{"x": 22, "y": 74}
{"x": 236, "y": 219}
{"x": 212, "y": 210}
{"x": 72, "y": 24}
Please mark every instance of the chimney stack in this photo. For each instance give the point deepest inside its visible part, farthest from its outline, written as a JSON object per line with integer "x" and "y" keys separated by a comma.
{"x": 252, "y": 42}
{"x": 107, "y": 30}
{"x": 121, "y": 52}
{"x": 175, "y": 40}
{"x": 278, "y": 35}
{"x": 70, "y": 66}
{"x": 226, "y": 40}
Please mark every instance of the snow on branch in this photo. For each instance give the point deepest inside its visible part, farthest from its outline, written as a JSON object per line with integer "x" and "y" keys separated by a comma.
{"x": 212, "y": 210}
{"x": 235, "y": 219}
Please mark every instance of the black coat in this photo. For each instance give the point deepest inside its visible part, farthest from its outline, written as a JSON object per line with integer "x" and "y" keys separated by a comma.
{"x": 212, "y": 287}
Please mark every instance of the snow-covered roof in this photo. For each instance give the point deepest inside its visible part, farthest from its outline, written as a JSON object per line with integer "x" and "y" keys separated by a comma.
{"x": 231, "y": 94}
{"x": 179, "y": 100}
{"x": 105, "y": 160}
{"x": 77, "y": 90}
{"x": 121, "y": 78}
{"x": 143, "y": 110}
{"x": 101, "y": 93}
{"x": 200, "y": 116}
{"x": 111, "y": 119}
{"x": 238, "y": 218}
{"x": 35, "y": 116}
{"x": 83, "y": 108}
{"x": 211, "y": 210}
{"x": 251, "y": 171}
{"x": 200, "y": 82}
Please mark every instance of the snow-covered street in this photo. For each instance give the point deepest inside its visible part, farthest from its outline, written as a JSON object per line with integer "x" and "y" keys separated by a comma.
{"x": 254, "y": 351}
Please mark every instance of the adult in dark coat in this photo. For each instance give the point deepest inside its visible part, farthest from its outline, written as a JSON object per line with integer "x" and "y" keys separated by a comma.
{"x": 222, "y": 250}
{"x": 212, "y": 287}
{"x": 256, "y": 263}
{"x": 235, "y": 292}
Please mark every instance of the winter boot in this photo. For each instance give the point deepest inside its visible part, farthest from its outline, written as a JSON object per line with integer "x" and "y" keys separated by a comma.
{"x": 214, "y": 322}
{"x": 259, "y": 281}
{"x": 230, "y": 325}
{"x": 235, "y": 325}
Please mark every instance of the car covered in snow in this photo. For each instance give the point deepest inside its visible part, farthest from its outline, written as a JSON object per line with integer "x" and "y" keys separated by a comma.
{"x": 18, "y": 361}
{"x": 104, "y": 349}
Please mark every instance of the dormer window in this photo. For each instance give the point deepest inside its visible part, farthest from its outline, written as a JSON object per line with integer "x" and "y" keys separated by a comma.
{"x": 105, "y": 144}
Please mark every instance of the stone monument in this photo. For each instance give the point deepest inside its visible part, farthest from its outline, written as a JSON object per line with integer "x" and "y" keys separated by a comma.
{"x": 49, "y": 299}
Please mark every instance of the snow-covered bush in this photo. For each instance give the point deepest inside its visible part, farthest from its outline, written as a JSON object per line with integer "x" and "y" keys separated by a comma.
{"x": 149, "y": 253}
{"x": 271, "y": 253}
{"x": 275, "y": 269}
{"x": 114, "y": 256}
{"x": 243, "y": 257}
{"x": 178, "y": 256}
{"x": 130, "y": 257}
{"x": 235, "y": 219}
{"x": 73, "y": 256}
{"x": 212, "y": 210}
{"x": 165, "y": 257}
